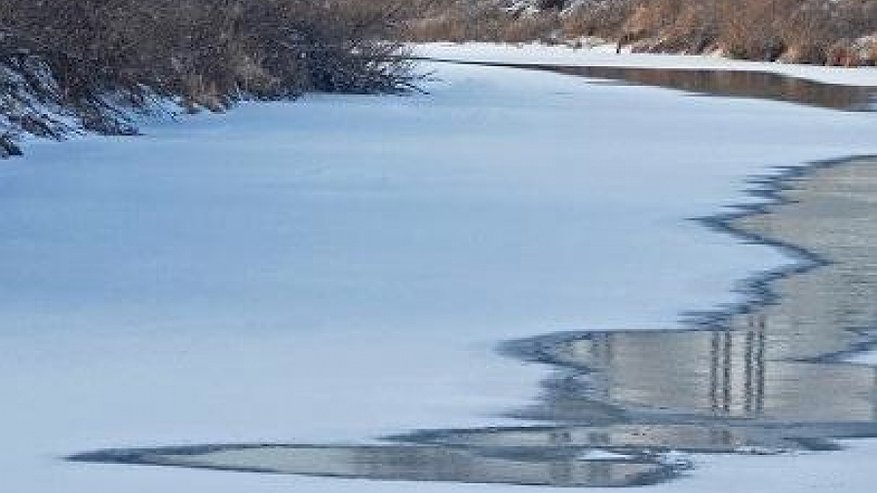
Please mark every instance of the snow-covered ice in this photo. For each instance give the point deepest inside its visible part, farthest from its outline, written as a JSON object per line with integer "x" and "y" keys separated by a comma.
{"x": 341, "y": 267}
{"x": 603, "y": 55}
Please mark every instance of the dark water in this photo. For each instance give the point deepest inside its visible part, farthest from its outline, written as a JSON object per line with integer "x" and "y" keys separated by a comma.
{"x": 747, "y": 84}
{"x": 410, "y": 462}
{"x": 763, "y": 377}
{"x": 728, "y": 83}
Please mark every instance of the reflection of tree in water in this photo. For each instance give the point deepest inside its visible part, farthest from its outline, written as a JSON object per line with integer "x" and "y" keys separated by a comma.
{"x": 736, "y": 83}
{"x": 734, "y": 373}
{"x": 764, "y": 377}
{"x": 773, "y": 367}
{"x": 774, "y": 363}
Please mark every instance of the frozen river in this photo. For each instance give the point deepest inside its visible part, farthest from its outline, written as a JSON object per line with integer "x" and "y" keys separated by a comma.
{"x": 341, "y": 268}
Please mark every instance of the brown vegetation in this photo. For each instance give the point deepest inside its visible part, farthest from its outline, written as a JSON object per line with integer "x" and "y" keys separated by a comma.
{"x": 836, "y": 32}
{"x": 90, "y": 60}
{"x": 479, "y": 20}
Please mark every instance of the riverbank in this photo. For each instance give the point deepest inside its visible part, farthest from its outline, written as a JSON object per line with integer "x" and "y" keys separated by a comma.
{"x": 605, "y": 56}
{"x": 68, "y": 68}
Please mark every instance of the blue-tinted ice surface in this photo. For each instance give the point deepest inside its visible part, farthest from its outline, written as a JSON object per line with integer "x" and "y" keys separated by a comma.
{"x": 340, "y": 268}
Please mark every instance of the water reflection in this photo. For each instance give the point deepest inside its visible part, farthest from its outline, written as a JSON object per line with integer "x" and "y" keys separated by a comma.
{"x": 738, "y": 373}
{"x": 731, "y": 83}
{"x": 776, "y": 363}
{"x": 762, "y": 378}
{"x": 406, "y": 463}
{"x": 736, "y": 83}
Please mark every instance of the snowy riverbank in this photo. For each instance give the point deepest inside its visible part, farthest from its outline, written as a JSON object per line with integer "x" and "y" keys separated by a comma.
{"x": 605, "y": 56}
{"x": 341, "y": 267}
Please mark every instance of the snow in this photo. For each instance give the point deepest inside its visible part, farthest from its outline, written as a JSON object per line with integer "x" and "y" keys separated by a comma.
{"x": 865, "y": 358}
{"x": 341, "y": 267}
{"x": 605, "y": 56}
{"x": 598, "y": 455}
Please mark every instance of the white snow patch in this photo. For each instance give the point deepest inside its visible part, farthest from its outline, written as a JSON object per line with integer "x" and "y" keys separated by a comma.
{"x": 864, "y": 358}
{"x": 599, "y": 455}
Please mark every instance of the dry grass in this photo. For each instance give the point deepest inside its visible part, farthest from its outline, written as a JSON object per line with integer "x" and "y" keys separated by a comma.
{"x": 836, "y": 32}
{"x": 86, "y": 58}
{"x": 462, "y": 20}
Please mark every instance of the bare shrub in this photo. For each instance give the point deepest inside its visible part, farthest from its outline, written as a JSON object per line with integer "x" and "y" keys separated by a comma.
{"x": 868, "y": 50}
{"x": 803, "y": 31}
{"x": 749, "y": 30}
{"x": 482, "y": 20}
{"x": 543, "y": 27}
{"x": 604, "y": 18}
{"x": 88, "y": 58}
{"x": 806, "y": 32}
{"x": 842, "y": 53}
